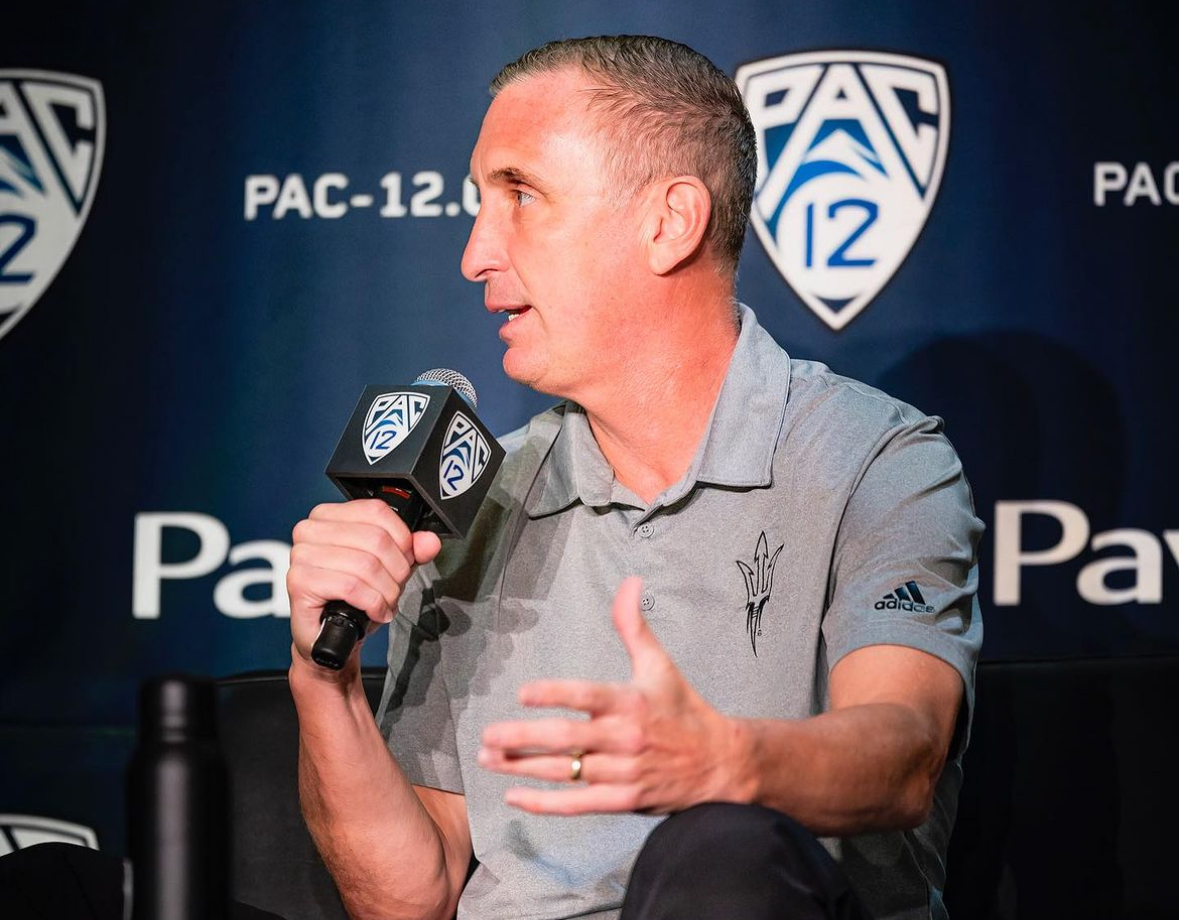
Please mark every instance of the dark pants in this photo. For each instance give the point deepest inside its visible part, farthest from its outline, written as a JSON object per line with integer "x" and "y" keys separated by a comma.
{"x": 711, "y": 862}
{"x": 737, "y": 862}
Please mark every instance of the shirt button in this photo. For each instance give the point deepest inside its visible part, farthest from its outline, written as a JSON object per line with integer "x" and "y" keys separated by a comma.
{"x": 645, "y": 530}
{"x": 648, "y": 600}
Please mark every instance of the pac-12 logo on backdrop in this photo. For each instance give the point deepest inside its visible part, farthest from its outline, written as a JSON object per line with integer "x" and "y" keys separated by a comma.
{"x": 52, "y": 132}
{"x": 850, "y": 153}
{"x": 390, "y": 419}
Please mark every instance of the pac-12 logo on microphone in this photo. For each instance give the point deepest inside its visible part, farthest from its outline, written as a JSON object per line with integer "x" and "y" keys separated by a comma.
{"x": 850, "y": 153}
{"x": 390, "y": 419}
{"x": 52, "y": 133}
{"x": 465, "y": 455}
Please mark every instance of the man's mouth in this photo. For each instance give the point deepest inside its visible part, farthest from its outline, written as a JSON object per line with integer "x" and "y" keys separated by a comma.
{"x": 512, "y": 314}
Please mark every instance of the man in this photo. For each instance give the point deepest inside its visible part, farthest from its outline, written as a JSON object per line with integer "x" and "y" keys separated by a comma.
{"x": 797, "y": 657}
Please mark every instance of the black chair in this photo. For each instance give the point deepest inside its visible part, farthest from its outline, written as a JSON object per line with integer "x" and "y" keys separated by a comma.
{"x": 275, "y": 864}
{"x": 1068, "y": 808}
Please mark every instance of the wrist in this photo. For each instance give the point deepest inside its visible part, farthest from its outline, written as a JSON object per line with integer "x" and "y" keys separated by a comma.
{"x": 307, "y": 678}
{"x": 742, "y": 776}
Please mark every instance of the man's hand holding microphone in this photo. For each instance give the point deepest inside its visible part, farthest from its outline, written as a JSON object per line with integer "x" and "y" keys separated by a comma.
{"x": 359, "y": 552}
{"x": 417, "y": 463}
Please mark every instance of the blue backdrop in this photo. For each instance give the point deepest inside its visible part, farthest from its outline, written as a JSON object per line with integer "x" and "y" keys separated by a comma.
{"x": 168, "y": 400}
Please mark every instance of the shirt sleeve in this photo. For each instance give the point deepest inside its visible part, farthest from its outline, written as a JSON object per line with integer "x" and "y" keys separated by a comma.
{"x": 414, "y": 714}
{"x": 905, "y": 562}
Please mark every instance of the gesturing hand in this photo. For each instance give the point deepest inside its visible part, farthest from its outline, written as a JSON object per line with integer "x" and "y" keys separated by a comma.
{"x": 651, "y": 745}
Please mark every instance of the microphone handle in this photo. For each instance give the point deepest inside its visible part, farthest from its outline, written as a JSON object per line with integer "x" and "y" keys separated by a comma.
{"x": 341, "y": 625}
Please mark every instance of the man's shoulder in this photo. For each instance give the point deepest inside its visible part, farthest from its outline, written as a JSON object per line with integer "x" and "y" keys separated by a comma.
{"x": 836, "y": 426}
{"x": 839, "y": 412}
{"x": 815, "y": 394}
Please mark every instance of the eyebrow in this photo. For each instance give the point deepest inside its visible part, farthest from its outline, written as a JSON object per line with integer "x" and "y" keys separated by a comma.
{"x": 511, "y": 174}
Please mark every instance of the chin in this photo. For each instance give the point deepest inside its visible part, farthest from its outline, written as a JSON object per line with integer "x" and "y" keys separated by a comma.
{"x": 519, "y": 369}
{"x": 531, "y": 374}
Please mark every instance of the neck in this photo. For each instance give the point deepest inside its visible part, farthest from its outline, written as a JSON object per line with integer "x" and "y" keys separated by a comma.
{"x": 650, "y": 419}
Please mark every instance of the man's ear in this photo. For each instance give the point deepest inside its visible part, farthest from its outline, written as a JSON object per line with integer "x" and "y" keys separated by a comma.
{"x": 678, "y": 222}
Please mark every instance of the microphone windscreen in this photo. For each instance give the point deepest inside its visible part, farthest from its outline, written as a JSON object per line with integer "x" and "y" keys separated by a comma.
{"x": 444, "y": 376}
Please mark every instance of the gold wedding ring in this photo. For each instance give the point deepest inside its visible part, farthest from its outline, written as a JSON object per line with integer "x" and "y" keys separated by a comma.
{"x": 575, "y": 766}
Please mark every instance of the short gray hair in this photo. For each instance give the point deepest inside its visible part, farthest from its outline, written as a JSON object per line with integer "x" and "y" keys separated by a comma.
{"x": 672, "y": 112}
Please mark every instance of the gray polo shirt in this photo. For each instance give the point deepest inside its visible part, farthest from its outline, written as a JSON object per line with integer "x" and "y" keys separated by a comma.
{"x": 818, "y": 516}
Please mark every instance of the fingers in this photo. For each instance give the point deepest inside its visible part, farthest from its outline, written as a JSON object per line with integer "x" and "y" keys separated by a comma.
{"x": 582, "y": 695}
{"x": 557, "y": 768}
{"x": 641, "y": 645}
{"x": 580, "y": 800}
{"x": 359, "y": 552}
{"x": 426, "y": 545}
{"x": 644, "y": 746}
{"x": 370, "y": 510}
{"x": 550, "y": 735}
{"x": 366, "y": 524}
{"x": 355, "y": 555}
{"x": 311, "y": 587}
{"x": 363, "y": 571}
{"x": 384, "y": 577}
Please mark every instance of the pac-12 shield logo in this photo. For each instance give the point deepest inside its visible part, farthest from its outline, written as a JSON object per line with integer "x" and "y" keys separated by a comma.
{"x": 390, "y": 419}
{"x": 850, "y": 153}
{"x": 20, "y": 831}
{"x": 52, "y": 134}
{"x": 465, "y": 455}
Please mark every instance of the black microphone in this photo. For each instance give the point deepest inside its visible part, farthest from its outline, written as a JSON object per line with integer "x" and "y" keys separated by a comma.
{"x": 422, "y": 450}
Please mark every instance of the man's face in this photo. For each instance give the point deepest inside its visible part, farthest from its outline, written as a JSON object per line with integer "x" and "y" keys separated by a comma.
{"x": 560, "y": 260}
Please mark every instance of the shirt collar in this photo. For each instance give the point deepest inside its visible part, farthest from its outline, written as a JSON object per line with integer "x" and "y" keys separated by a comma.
{"x": 737, "y": 449}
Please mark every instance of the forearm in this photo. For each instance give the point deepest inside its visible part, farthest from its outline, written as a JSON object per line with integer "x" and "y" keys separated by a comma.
{"x": 384, "y": 850}
{"x": 863, "y": 768}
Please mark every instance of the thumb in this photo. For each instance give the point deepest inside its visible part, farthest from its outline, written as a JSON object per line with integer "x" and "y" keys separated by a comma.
{"x": 641, "y": 645}
{"x": 426, "y": 545}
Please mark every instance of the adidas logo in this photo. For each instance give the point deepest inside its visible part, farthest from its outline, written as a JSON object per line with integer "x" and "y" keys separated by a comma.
{"x": 905, "y": 597}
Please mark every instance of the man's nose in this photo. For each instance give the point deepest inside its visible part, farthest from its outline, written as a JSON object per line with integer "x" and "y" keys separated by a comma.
{"x": 484, "y": 252}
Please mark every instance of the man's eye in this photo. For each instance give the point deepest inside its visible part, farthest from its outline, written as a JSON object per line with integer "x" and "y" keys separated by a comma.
{"x": 522, "y": 197}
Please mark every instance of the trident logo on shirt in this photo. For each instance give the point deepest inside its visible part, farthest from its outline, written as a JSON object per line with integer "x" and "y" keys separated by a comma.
{"x": 759, "y": 581}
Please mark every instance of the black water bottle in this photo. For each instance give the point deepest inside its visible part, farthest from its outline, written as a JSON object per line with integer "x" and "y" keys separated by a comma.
{"x": 178, "y": 805}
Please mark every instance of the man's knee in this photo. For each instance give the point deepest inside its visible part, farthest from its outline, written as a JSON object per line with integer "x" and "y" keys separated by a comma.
{"x": 723, "y": 861}
{"x": 719, "y": 836}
